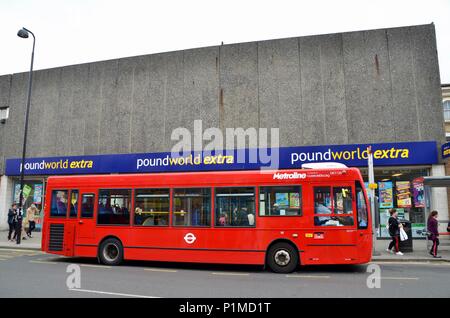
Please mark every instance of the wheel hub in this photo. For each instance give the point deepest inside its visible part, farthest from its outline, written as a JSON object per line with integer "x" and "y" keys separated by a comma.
{"x": 282, "y": 258}
{"x": 111, "y": 252}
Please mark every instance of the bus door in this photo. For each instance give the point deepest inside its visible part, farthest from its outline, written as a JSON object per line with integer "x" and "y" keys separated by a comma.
{"x": 70, "y": 226}
{"x": 334, "y": 239}
{"x": 86, "y": 221}
{"x": 364, "y": 224}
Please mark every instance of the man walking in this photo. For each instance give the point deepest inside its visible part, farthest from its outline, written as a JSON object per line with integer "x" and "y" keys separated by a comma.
{"x": 18, "y": 226}
{"x": 11, "y": 216}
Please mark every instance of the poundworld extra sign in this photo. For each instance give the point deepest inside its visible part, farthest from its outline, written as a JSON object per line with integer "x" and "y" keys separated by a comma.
{"x": 354, "y": 155}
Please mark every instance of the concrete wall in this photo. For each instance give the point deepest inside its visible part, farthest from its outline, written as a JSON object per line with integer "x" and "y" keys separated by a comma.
{"x": 357, "y": 87}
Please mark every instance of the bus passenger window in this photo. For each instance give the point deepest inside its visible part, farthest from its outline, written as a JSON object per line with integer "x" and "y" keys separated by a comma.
{"x": 114, "y": 207}
{"x": 192, "y": 207}
{"x": 73, "y": 203}
{"x": 322, "y": 205}
{"x": 343, "y": 200}
{"x": 333, "y": 210}
{"x": 361, "y": 207}
{"x": 280, "y": 201}
{"x": 235, "y": 207}
{"x": 59, "y": 203}
{"x": 151, "y": 207}
{"x": 87, "y": 205}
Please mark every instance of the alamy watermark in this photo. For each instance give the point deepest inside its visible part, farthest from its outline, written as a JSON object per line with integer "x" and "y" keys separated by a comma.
{"x": 73, "y": 280}
{"x": 213, "y": 145}
{"x": 374, "y": 279}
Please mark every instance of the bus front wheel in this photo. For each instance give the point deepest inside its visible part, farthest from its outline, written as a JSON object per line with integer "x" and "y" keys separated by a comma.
{"x": 282, "y": 258}
{"x": 111, "y": 252}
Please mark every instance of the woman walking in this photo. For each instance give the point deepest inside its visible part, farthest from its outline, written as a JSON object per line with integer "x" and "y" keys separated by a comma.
{"x": 32, "y": 212}
{"x": 433, "y": 232}
{"x": 394, "y": 232}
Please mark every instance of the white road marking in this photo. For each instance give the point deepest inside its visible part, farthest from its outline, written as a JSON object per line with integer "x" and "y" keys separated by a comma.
{"x": 160, "y": 270}
{"x": 434, "y": 263}
{"x": 400, "y": 278}
{"x": 44, "y": 262}
{"x": 306, "y": 276}
{"x": 7, "y": 256}
{"x": 96, "y": 266}
{"x": 110, "y": 293}
{"x": 20, "y": 250}
{"x": 232, "y": 274}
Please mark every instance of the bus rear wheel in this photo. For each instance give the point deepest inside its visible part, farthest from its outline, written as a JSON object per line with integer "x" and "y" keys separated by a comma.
{"x": 282, "y": 258}
{"x": 111, "y": 252}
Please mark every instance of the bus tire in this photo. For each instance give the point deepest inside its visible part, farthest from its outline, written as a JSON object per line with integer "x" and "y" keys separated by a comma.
{"x": 111, "y": 252}
{"x": 282, "y": 258}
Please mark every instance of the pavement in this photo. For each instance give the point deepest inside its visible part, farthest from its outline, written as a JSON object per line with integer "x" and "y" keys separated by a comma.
{"x": 419, "y": 254}
{"x": 33, "y": 243}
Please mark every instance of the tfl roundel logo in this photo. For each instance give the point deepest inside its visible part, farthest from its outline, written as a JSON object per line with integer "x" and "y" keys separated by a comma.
{"x": 190, "y": 238}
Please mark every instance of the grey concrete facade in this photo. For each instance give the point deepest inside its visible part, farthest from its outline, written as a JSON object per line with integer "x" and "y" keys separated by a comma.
{"x": 357, "y": 87}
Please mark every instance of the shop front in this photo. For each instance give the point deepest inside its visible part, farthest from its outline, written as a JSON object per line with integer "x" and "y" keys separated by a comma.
{"x": 398, "y": 169}
{"x": 33, "y": 193}
{"x": 400, "y": 188}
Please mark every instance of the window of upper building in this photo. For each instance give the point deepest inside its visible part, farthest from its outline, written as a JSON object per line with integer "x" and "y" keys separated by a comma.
{"x": 446, "y": 105}
{"x": 4, "y": 114}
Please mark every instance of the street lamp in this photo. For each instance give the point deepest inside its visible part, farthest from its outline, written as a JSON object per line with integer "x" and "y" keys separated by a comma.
{"x": 24, "y": 34}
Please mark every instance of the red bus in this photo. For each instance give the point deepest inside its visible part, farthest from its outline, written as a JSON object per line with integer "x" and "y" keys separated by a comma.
{"x": 280, "y": 219}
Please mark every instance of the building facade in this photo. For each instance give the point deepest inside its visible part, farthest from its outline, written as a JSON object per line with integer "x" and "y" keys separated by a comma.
{"x": 335, "y": 92}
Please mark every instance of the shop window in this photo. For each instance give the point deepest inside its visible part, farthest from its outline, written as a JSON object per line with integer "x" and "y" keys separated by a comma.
{"x": 114, "y": 207}
{"x": 280, "y": 201}
{"x": 192, "y": 207}
{"x": 333, "y": 206}
{"x": 235, "y": 207}
{"x": 87, "y": 205}
{"x": 33, "y": 194}
{"x": 446, "y": 105}
{"x": 152, "y": 207}
{"x": 59, "y": 203}
{"x": 73, "y": 203}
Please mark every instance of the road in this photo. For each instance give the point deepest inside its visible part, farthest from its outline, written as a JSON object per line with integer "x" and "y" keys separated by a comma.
{"x": 34, "y": 274}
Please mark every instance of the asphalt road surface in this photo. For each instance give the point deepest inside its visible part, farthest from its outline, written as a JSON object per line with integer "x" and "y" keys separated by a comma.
{"x": 34, "y": 274}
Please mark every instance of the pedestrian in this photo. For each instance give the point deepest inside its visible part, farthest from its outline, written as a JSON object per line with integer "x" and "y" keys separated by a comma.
{"x": 394, "y": 232}
{"x": 18, "y": 226}
{"x": 11, "y": 216}
{"x": 433, "y": 232}
{"x": 32, "y": 212}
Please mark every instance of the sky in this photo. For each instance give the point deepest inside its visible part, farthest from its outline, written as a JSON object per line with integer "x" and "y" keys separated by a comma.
{"x": 79, "y": 31}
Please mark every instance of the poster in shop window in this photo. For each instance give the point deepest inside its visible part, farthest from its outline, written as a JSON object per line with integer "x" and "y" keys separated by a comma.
{"x": 37, "y": 196}
{"x": 403, "y": 193}
{"x": 386, "y": 195}
{"x": 419, "y": 199}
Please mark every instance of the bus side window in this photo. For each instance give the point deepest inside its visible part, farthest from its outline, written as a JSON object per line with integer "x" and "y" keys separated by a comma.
{"x": 322, "y": 205}
{"x": 152, "y": 207}
{"x": 114, "y": 206}
{"x": 235, "y": 206}
{"x": 87, "y": 205}
{"x": 59, "y": 203}
{"x": 280, "y": 201}
{"x": 333, "y": 208}
{"x": 192, "y": 207}
{"x": 73, "y": 204}
{"x": 361, "y": 207}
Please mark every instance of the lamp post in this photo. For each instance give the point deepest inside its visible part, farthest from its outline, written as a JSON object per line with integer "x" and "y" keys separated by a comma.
{"x": 24, "y": 33}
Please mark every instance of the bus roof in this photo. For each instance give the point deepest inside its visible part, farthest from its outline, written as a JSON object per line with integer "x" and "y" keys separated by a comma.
{"x": 241, "y": 177}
